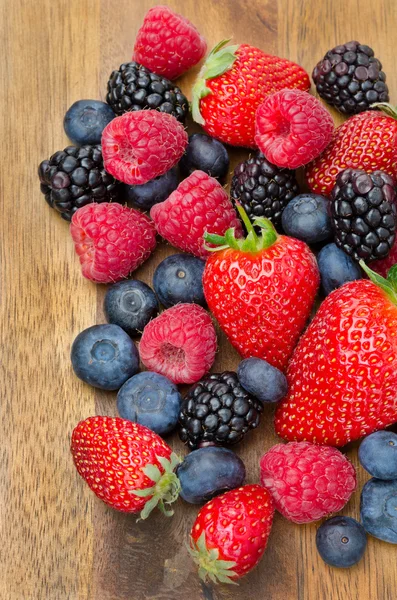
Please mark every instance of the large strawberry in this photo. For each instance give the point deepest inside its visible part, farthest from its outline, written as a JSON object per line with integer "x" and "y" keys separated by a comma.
{"x": 231, "y": 85}
{"x": 261, "y": 289}
{"x": 230, "y": 534}
{"x": 343, "y": 375}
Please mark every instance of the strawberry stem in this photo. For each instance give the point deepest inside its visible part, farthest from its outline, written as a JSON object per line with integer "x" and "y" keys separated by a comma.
{"x": 388, "y": 285}
{"x": 387, "y": 108}
{"x": 210, "y": 566}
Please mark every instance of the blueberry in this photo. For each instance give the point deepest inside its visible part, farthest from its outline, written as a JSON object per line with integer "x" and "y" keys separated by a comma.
{"x": 85, "y": 120}
{"x": 157, "y": 190}
{"x": 207, "y": 154}
{"x": 131, "y": 305}
{"x": 306, "y": 217}
{"x": 104, "y": 356}
{"x": 178, "y": 278}
{"x": 336, "y": 268}
{"x": 263, "y": 381}
{"x": 209, "y": 471}
{"x": 378, "y": 454}
{"x": 379, "y": 509}
{"x": 341, "y": 541}
{"x": 151, "y": 400}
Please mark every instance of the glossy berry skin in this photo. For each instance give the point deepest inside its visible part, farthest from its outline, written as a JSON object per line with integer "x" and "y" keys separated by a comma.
{"x": 336, "y": 268}
{"x": 178, "y": 278}
{"x": 307, "y": 218}
{"x": 151, "y": 400}
{"x": 307, "y": 482}
{"x": 366, "y": 141}
{"x": 168, "y": 43}
{"x": 292, "y": 128}
{"x": 205, "y": 153}
{"x": 199, "y": 204}
{"x": 383, "y": 265}
{"x": 85, "y": 120}
{"x": 139, "y": 146}
{"x": 180, "y": 343}
{"x": 208, "y": 472}
{"x": 154, "y": 191}
{"x": 111, "y": 240}
{"x": 378, "y": 509}
{"x": 130, "y": 304}
{"x": 341, "y": 541}
{"x": 378, "y": 454}
{"x": 263, "y": 381}
{"x": 343, "y": 374}
{"x": 104, "y": 356}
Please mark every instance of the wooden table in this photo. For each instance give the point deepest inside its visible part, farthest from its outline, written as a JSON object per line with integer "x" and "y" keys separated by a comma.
{"x": 58, "y": 542}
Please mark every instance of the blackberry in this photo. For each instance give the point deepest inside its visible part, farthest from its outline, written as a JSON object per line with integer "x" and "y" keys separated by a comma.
{"x": 217, "y": 411}
{"x": 363, "y": 210}
{"x": 134, "y": 87}
{"x": 350, "y": 78}
{"x": 263, "y": 189}
{"x": 74, "y": 177}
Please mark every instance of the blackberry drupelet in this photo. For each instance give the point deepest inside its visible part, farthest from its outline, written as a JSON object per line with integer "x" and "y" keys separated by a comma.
{"x": 134, "y": 87}
{"x": 363, "y": 210}
{"x": 74, "y": 177}
{"x": 350, "y": 78}
{"x": 218, "y": 411}
{"x": 263, "y": 189}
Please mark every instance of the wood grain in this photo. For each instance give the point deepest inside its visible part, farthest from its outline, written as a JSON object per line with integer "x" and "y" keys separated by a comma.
{"x": 58, "y": 542}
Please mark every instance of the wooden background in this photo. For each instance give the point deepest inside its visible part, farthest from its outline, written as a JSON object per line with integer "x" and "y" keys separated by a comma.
{"x": 58, "y": 542}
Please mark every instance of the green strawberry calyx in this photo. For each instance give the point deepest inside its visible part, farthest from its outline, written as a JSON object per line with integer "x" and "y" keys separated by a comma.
{"x": 209, "y": 563}
{"x": 388, "y": 285}
{"x": 219, "y": 60}
{"x": 387, "y": 108}
{"x": 166, "y": 486}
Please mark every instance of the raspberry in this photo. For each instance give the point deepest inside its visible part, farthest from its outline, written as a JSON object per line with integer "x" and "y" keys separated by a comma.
{"x": 180, "y": 343}
{"x": 111, "y": 240}
{"x": 141, "y": 145}
{"x": 168, "y": 43}
{"x": 292, "y": 128}
{"x": 199, "y": 204}
{"x": 307, "y": 482}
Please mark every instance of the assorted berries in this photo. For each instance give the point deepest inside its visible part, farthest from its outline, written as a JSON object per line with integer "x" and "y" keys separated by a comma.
{"x": 179, "y": 278}
{"x": 341, "y": 541}
{"x": 85, "y": 120}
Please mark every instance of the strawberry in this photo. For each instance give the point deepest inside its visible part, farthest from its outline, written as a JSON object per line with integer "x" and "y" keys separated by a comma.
{"x": 230, "y": 533}
{"x": 125, "y": 464}
{"x": 343, "y": 375}
{"x": 231, "y": 85}
{"x": 260, "y": 289}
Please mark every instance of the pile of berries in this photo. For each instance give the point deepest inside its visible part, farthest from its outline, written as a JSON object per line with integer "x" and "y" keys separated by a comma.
{"x": 246, "y": 259}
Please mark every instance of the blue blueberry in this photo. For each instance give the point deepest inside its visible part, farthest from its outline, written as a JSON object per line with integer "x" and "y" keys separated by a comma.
{"x": 379, "y": 509}
{"x": 378, "y": 454}
{"x": 152, "y": 400}
{"x": 209, "y": 471}
{"x": 131, "y": 305}
{"x": 104, "y": 356}
{"x": 207, "y": 154}
{"x": 85, "y": 120}
{"x": 262, "y": 380}
{"x": 341, "y": 541}
{"x": 336, "y": 268}
{"x": 178, "y": 278}
{"x": 306, "y": 217}
{"x": 157, "y": 190}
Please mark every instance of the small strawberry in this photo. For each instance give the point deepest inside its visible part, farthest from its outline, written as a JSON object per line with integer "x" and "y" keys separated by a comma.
{"x": 231, "y": 85}
{"x": 230, "y": 533}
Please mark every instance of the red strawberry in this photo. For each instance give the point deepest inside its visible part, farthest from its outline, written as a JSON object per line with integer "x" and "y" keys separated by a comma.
{"x": 343, "y": 375}
{"x": 167, "y": 43}
{"x": 230, "y": 534}
{"x": 125, "y": 464}
{"x": 261, "y": 290}
{"x": 231, "y": 85}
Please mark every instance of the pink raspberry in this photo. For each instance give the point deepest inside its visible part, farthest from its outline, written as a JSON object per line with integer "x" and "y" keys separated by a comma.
{"x": 141, "y": 145}
{"x": 180, "y": 343}
{"x": 199, "y": 204}
{"x": 307, "y": 482}
{"x": 292, "y": 128}
{"x": 111, "y": 240}
{"x": 167, "y": 43}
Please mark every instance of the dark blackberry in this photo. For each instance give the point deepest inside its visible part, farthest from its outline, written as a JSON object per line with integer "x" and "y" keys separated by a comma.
{"x": 134, "y": 87}
{"x": 363, "y": 210}
{"x": 74, "y": 177}
{"x": 217, "y": 411}
{"x": 263, "y": 189}
{"x": 350, "y": 78}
